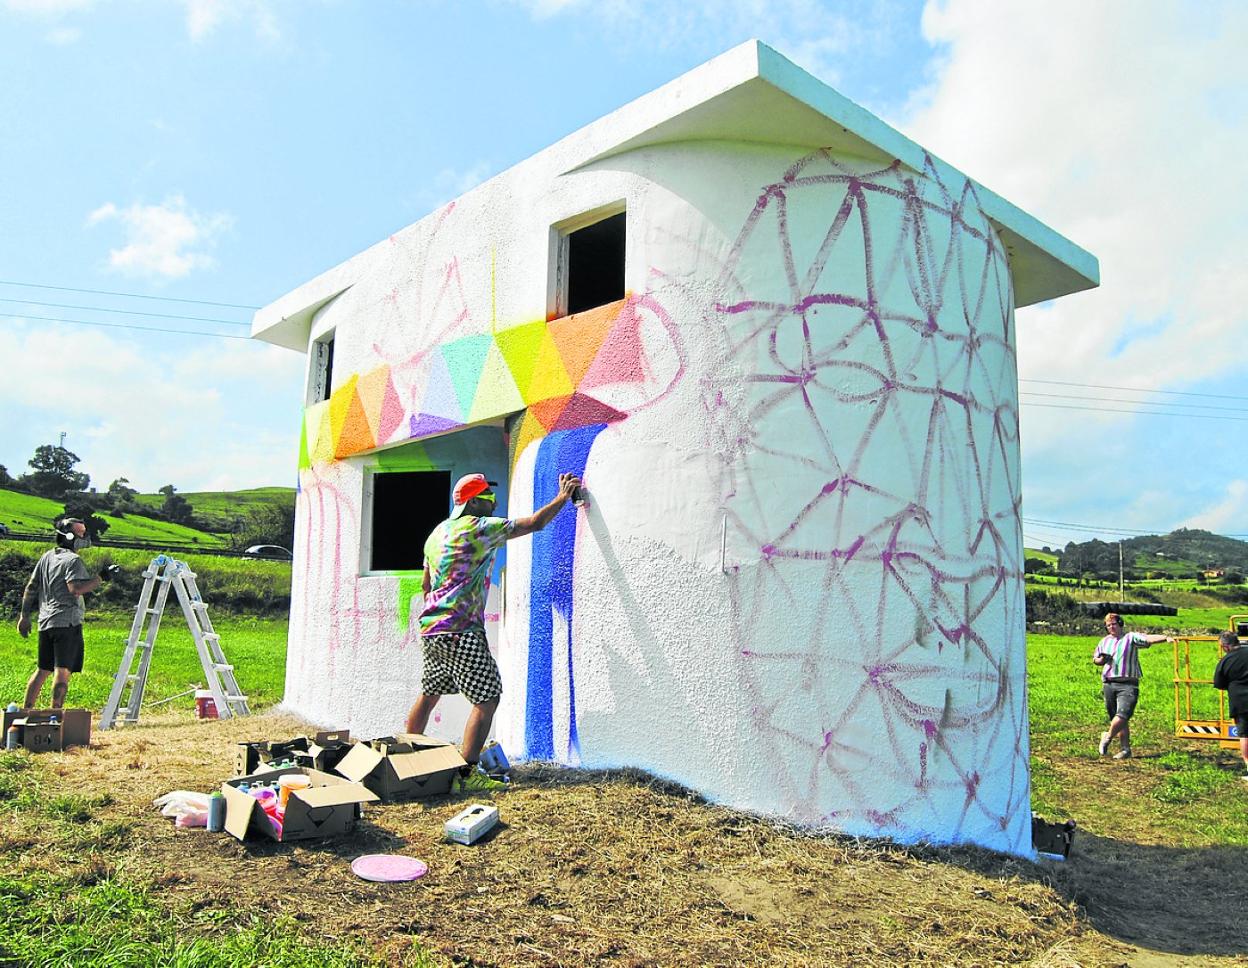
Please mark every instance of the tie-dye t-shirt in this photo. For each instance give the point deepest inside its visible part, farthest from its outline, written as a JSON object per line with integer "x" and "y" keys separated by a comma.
{"x": 459, "y": 555}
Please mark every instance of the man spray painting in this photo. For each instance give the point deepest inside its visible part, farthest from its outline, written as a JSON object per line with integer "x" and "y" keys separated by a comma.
{"x": 458, "y": 557}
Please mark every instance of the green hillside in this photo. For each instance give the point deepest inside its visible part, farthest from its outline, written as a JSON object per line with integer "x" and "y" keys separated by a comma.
{"x": 217, "y": 510}
{"x": 25, "y": 512}
{"x": 1181, "y": 553}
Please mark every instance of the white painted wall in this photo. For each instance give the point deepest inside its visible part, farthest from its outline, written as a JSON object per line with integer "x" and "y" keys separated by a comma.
{"x": 855, "y": 658}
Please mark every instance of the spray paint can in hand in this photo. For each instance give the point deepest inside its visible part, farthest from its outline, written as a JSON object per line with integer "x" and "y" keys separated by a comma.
{"x": 216, "y": 813}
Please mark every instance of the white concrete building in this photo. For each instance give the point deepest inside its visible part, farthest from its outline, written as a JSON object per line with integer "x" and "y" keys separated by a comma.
{"x": 777, "y": 337}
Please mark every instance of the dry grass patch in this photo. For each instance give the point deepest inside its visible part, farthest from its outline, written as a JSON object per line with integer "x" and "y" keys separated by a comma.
{"x": 618, "y": 868}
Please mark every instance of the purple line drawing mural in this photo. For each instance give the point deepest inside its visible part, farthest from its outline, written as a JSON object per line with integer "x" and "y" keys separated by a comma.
{"x": 886, "y": 331}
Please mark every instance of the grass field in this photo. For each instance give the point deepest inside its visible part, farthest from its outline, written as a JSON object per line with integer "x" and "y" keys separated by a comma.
{"x": 25, "y": 512}
{"x": 255, "y": 646}
{"x": 86, "y": 875}
{"x": 218, "y": 509}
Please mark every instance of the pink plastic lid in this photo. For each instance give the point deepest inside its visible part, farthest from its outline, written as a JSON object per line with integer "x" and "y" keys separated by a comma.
{"x": 388, "y": 867}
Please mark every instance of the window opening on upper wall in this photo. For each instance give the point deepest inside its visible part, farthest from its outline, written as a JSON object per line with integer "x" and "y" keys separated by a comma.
{"x": 406, "y": 507}
{"x": 321, "y": 378}
{"x": 590, "y": 263}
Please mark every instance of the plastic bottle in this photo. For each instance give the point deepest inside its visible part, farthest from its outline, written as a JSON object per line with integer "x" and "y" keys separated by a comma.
{"x": 12, "y": 739}
{"x": 216, "y": 813}
{"x": 292, "y": 781}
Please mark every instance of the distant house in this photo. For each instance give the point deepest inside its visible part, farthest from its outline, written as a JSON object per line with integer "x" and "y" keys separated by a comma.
{"x": 1213, "y": 573}
{"x": 777, "y": 338}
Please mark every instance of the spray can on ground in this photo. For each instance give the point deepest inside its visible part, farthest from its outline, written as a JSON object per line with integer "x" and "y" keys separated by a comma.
{"x": 216, "y": 813}
{"x": 12, "y": 708}
{"x": 12, "y": 739}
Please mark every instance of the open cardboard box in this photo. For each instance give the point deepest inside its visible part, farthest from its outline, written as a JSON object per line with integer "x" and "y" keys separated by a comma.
{"x": 409, "y": 765}
{"x": 325, "y": 751}
{"x": 327, "y": 808}
{"x": 252, "y": 756}
{"x": 41, "y": 736}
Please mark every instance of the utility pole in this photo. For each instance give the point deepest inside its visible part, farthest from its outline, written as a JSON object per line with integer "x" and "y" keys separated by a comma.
{"x": 1122, "y": 595}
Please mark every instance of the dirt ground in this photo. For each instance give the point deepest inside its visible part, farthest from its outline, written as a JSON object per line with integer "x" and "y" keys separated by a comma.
{"x": 618, "y": 868}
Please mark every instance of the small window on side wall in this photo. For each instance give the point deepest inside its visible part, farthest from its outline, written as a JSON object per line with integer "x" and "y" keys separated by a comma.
{"x": 321, "y": 377}
{"x": 406, "y": 507}
{"x": 590, "y": 262}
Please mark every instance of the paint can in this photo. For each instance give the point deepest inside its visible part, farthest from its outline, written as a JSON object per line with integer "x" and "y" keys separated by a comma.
{"x": 205, "y": 705}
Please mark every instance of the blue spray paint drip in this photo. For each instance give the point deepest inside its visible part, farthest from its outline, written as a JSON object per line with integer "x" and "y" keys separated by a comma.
{"x": 550, "y": 590}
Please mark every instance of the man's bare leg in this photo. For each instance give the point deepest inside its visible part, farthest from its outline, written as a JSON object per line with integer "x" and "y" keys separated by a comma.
{"x": 1243, "y": 751}
{"x": 477, "y": 729}
{"x": 33, "y": 687}
{"x": 60, "y": 686}
{"x": 418, "y": 715}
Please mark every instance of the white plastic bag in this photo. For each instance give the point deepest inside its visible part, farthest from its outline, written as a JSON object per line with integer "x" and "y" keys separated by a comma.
{"x": 188, "y": 809}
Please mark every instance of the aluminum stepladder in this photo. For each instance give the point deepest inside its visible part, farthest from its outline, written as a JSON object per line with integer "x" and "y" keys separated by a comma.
{"x": 167, "y": 572}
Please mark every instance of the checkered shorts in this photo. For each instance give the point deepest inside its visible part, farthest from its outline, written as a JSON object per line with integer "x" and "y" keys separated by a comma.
{"x": 460, "y": 662}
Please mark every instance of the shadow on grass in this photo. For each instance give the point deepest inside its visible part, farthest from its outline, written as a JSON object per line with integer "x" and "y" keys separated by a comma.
{"x": 1182, "y": 900}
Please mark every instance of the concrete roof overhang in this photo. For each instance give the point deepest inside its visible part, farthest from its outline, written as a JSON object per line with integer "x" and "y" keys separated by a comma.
{"x": 753, "y": 94}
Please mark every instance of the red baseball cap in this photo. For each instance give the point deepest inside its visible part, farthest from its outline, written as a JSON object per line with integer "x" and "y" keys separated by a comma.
{"x": 466, "y": 488}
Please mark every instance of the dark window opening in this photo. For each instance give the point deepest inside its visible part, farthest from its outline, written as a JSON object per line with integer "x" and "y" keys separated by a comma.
{"x": 596, "y": 264}
{"x": 323, "y": 369}
{"x": 407, "y": 506}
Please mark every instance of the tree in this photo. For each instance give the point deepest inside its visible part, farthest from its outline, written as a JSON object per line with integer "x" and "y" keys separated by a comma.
{"x": 121, "y": 496}
{"x": 266, "y": 524}
{"x": 5, "y": 479}
{"x": 96, "y": 525}
{"x": 1035, "y": 566}
{"x": 54, "y": 475}
{"x": 176, "y": 508}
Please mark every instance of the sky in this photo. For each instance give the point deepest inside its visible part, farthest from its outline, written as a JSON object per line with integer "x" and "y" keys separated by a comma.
{"x": 204, "y": 157}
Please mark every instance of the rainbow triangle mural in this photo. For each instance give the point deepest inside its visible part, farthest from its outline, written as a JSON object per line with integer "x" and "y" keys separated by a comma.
{"x": 545, "y": 368}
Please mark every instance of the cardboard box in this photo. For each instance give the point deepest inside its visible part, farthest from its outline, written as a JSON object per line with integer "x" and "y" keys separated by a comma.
{"x": 471, "y": 824}
{"x": 406, "y": 766}
{"x": 320, "y": 753}
{"x": 327, "y": 808}
{"x": 251, "y": 756}
{"x": 39, "y": 736}
{"x": 325, "y": 751}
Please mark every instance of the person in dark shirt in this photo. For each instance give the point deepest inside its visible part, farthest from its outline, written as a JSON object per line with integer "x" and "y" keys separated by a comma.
{"x": 1231, "y": 674}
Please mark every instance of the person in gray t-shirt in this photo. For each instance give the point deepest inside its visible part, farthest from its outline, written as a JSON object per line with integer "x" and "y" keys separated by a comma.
{"x": 56, "y": 587}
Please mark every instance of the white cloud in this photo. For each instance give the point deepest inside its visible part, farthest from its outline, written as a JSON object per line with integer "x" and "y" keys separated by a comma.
{"x": 203, "y": 17}
{"x": 1119, "y": 124}
{"x": 162, "y": 241}
{"x": 1226, "y": 512}
{"x": 449, "y": 183}
{"x": 64, "y": 36}
{"x": 221, "y": 414}
{"x": 818, "y": 35}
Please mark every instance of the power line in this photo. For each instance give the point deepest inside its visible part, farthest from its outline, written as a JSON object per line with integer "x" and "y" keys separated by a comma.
{"x": 1077, "y": 526}
{"x": 124, "y": 312}
{"x": 1176, "y": 393}
{"x": 1142, "y": 403}
{"x": 1150, "y": 413}
{"x": 145, "y": 329}
{"x": 127, "y": 295}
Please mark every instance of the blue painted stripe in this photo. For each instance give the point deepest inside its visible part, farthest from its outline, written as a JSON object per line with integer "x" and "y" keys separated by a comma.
{"x": 550, "y": 590}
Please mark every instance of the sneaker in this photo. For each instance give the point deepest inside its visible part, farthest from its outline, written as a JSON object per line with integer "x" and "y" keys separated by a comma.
{"x": 1124, "y": 754}
{"x": 1104, "y": 745}
{"x": 477, "y": 782}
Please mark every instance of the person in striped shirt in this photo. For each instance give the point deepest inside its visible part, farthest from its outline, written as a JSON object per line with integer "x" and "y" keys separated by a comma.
{"x": 1118, "y": 655}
